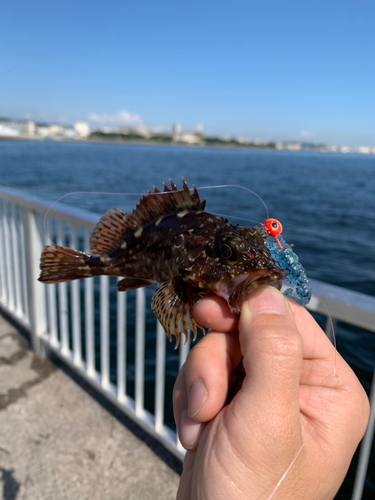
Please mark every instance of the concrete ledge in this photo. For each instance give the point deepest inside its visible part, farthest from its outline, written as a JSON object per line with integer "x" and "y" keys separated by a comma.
{"x": 59, "y": 440}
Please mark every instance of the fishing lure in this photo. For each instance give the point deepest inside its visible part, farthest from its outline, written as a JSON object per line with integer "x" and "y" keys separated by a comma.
{"x": 287, "y": 260}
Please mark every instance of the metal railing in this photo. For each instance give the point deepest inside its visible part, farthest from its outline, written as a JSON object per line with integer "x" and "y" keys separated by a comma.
{"x": 75, "y": 321}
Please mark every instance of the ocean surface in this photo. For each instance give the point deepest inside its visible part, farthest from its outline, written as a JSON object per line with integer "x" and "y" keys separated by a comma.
{"x": 326, "y": 203}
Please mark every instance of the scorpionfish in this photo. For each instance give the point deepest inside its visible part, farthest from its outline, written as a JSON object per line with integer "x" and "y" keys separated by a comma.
{"x": 170, "y": 239}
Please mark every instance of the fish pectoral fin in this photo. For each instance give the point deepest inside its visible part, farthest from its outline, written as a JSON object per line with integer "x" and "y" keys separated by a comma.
{"x": 171, "y": 303}
{"x": 132, "y": 283}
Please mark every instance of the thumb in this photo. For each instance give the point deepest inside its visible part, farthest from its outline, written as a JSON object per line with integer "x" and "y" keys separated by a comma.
{"x": 272, "y": 352}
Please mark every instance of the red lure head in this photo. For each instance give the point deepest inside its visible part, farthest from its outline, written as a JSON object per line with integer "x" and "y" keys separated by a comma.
{"x": 274, "y": 228}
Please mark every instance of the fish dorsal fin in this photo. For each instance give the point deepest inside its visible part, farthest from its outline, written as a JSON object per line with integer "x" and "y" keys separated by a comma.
{"x": 157, "y": 204}
{"x": 114, "y": 225}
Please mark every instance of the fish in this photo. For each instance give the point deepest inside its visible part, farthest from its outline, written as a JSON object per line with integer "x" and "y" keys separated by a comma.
{"x": 170, "y": 240}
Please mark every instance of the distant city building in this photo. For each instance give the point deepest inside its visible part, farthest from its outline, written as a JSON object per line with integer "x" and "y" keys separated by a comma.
{"x": 82, "y": 129}
{"x": 244, "y": 140}
{"x": 176, "y": 131}
{"x": 199, "y": 129}
{"x": 27, "y": 129}
{"x": 44, "y": 131}
{"x": 190, "y": 138}
{"x": 7, "y": 131}
{"x": 288, "y": 146}
{"x": 364, "y": 150}
{"x": 17, "y": 128}
{"x": 70, "y": 133}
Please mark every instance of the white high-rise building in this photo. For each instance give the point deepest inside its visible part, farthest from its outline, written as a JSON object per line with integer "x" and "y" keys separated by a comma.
{"x": 82, "y": 129}
{"x": 176, "y": 131}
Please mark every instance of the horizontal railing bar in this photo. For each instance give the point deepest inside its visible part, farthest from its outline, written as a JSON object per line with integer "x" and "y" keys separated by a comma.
{"x": 344, "y": 305}
{"x": 23, "y": 321}
{"x": 73, "y": 215}
{"x": 341, "y": 304}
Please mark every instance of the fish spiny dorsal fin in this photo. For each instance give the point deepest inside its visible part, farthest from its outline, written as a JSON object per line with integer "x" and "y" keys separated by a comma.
{"x": 157, "y": 204}
{"x": 195, "y": 194}
{"x": 109, "y": 233}
{"x": 114, "y": 226}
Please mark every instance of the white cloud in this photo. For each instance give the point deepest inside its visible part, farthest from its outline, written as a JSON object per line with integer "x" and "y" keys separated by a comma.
{"x": 121, "y": 118}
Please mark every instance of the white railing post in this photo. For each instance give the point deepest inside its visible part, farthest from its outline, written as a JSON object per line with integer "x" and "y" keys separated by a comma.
{"x": 365, "y": 449}
{"x": 3, "y": 280}
{"x": 140, "y": 327}
{"x": 160, "y": 377}
{"x": 36, "y": 290}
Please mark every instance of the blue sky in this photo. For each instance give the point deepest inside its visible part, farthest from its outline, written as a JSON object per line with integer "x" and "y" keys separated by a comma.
{"x": 279, "y": 70}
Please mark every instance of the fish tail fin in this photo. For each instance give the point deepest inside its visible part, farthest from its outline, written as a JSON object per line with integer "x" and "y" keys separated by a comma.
{"x": 59, "y": 264}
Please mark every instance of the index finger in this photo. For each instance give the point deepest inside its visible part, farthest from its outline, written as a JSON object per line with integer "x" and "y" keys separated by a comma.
{"x": 213, "y": 312}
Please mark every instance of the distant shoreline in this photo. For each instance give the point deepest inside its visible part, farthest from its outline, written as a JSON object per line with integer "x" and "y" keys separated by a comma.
{"x": 135, "y": 142}
{"x": 145, "y": 142}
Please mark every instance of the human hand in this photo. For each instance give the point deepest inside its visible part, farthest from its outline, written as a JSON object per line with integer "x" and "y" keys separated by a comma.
{"x": 271, "y": 412}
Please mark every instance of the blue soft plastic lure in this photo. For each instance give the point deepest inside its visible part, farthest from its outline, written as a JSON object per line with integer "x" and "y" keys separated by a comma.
{"x": 287, "y": 260}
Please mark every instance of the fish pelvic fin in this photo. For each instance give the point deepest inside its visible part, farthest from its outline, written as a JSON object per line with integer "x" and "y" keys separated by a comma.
{"x": 172, "y": 304}
{"x": 59, "y": 264}
{"x": 132, "y": 284}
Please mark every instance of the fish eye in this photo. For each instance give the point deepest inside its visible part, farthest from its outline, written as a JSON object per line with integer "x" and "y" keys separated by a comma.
{"x": 227, "y": 250}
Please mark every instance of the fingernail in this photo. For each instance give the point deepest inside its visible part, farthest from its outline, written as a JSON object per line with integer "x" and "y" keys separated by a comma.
{"x": 189, "y": 431}
{"x": 268, "y": 301}
{"x": 197, "y": 397}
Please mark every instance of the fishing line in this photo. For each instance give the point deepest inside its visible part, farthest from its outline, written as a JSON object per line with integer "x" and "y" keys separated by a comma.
{"x": 239, "y": 187}
{"x": 153, "y": 194}
{"x": 333, "y": 334}
{"x": 79, "y": 192}
{"x": 313, "y": 427}
{"x": 237, "y": 218}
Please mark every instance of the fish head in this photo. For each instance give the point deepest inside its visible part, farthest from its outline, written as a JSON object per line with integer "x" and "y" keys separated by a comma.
{"x": 229, "y": 261}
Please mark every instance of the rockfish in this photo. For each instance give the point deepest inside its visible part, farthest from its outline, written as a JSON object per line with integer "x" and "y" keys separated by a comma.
{"x": 170, "y": 240}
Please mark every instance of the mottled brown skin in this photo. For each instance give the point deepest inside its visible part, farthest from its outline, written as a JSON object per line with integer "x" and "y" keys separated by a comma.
{"x": 169, "y": 239}
{"x": 196, "y": 248}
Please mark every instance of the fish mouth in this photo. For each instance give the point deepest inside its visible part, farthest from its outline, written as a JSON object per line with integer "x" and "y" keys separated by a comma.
{"x": 247, "y": 283}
